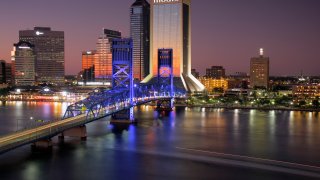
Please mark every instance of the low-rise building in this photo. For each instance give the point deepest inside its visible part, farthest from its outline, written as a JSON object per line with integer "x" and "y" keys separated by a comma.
{"x": 211, "y": 84}
{"x": 307, "y": 92}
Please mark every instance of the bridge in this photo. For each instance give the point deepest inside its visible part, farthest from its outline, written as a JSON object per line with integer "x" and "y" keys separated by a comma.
{"x": 117, "y": 102}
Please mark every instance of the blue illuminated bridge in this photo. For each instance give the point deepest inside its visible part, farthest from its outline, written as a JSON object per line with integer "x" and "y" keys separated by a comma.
{"x": 117, "y": 102}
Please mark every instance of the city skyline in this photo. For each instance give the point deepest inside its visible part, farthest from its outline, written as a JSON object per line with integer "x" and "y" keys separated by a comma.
{"x": 287, "y": 30}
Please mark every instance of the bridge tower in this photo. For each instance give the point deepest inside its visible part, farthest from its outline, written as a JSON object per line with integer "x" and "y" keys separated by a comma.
{"x": 122, "y": 77}
{"x": 165, "y": 80}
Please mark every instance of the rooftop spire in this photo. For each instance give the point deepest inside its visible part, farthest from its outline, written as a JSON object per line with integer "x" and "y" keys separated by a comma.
{"x": 261, "y": 51}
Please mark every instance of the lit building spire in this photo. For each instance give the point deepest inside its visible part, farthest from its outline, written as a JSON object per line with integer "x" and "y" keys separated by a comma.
{"x": 261, "y": 51}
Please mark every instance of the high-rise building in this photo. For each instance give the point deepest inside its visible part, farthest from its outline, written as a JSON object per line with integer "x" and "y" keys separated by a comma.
{"x": 2, "y": 71}
{"x": 9, "y": 74}
{"x": 49, "y": 51}
{"x": 216, "y": 72}
{"x": 259, "y": 71}
{"x": 103, "y": 57}
{"x": 88, "y": 60}
{"x": 171, "y": 28}
{"x": 24, "y": 58}
{"x": 140, "y": 34}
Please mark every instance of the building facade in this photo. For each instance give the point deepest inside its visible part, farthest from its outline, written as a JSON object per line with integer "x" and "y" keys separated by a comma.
{"x": 140, "y": 34}
{"x": 9, "y": 74}
{"x": 171, "y": 28}
{"x": 259, "y": 71}
{"x": 103, "y": 56}
{"x": 216, "y": 72}
{"x": 25, "y": 61}
{"x": 211, "y": 84}
{"x": 2, "y": 71}
{"x": 306, "y": 92}
{"x": 88, "y": 70}
{"x": 49, "y": 51}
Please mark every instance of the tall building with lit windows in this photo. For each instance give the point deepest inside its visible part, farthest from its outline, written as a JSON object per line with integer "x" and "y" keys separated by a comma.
{"x": 88, "y": 59}
{"x": 259, "y": 71}
{"x": 140, "y": 34}
{"x": 25, "y": 59}
{"x": 2, "y": 71}
{"x": 170, "y": 27}
{"x": 103, "y": 56}
{"x": 49, "y": 51}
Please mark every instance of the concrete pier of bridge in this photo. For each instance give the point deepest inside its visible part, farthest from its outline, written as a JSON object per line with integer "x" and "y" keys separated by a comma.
{"x": 78, "y": 132}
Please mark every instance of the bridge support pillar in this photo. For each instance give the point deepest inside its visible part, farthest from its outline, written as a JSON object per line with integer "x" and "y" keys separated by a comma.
{"x": 165, "y": 105}
{"x": 42, "y": 145}
{"x": 80, "y": 132}
{"x": 123, "y": 117}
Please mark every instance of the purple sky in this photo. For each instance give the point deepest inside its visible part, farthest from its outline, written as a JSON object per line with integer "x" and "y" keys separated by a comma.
{"x": 225, "y": 32}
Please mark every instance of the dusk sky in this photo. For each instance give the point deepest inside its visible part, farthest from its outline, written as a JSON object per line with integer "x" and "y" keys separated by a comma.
{"x": 224, "y": 32}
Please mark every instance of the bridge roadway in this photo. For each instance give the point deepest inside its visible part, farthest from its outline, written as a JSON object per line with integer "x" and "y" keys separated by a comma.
{"x": 53, "y": 128}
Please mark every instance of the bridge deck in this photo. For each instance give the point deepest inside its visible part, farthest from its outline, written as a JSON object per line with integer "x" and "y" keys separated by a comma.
{"x": 17, "y": 139}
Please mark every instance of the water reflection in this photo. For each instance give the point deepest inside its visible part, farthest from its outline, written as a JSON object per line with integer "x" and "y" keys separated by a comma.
{"x": 287, "y": 136}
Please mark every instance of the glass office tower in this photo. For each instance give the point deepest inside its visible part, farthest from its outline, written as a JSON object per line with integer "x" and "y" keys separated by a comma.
{"x": 140, "y": 34}
{"x": 171, "y": 28}
{"x": 103, "y": 56}
{"x": 25, "y": 58}
{"x": 49, "y": 51}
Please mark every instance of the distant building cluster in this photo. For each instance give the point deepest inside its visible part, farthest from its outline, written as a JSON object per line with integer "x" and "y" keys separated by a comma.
{"x": 38, "y": 57}
{"x": 97, "y": 64}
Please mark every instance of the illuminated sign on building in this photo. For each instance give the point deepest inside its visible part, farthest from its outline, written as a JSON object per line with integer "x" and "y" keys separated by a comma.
{"x": 165, "y": 1}
{"x": 38, "y": 33}
{"x": 24, "y": 47}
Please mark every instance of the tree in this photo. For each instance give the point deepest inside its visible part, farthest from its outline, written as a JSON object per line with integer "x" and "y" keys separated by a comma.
{"x": 302, "y": 103}
{"x": 316, "y": 103}
{"x": 4, "y": 92}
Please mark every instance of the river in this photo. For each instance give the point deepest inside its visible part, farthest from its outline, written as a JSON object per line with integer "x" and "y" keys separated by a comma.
{"x": 187, "y": 143}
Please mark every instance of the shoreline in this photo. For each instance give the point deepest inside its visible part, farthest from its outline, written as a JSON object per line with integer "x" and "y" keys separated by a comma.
{"x": 253, "y": 108}
{"x": 205, "y": 106}
{"x": 23, "y": 100}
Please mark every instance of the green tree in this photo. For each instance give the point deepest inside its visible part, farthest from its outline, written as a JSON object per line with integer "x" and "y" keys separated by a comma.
{"x": 302, "y": 103}
{"x": 316, "y": 103}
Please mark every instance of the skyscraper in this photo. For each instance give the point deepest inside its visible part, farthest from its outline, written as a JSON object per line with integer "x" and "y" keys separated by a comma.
{"x": 5, "y": 72}
{"x": 140, "y": 34}
{"x": 2, "y": 71}
{"x": 49, "y": 51}
{"x": 259, "y": 71}
{"x": 88, "y": 60}
{"x": 171, "y": 28}
{"x": 103, "y": 57}
{"x": 24, "y": 57}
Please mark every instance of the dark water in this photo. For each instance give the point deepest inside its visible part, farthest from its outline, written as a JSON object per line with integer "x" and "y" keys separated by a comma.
{"x": 152, "y": 149}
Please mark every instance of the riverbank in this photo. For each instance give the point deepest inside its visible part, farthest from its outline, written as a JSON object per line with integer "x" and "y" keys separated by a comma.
{"x": 273, "y": 108}
{"x": 36, "y": 100}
